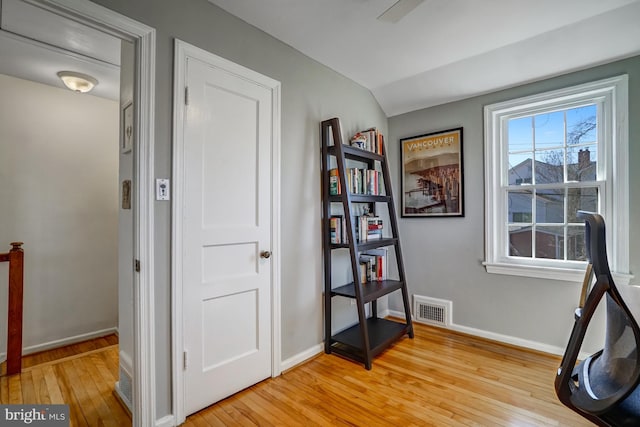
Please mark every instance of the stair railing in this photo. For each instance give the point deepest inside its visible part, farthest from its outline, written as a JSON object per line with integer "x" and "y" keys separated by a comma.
{"x": 15, "y": 258}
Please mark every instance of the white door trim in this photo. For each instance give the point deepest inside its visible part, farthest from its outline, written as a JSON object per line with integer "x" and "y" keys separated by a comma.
{"x": 144, "y": 37}
{"x": 182, "y": 52}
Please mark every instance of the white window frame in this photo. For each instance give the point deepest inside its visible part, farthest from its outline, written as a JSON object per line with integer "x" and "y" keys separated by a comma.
{"x": 611, "y": 95}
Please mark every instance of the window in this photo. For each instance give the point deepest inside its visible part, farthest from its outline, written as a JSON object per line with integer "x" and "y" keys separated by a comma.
{"x": 548, "y": 156}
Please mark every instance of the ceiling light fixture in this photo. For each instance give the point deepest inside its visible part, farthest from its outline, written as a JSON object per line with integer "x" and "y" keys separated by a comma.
{"x": 77, "y": 82}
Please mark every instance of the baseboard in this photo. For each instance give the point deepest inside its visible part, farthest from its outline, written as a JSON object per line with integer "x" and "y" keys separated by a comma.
{"x": 390, "y": 313}
{"x": 126, "y": 363}
{"x": 301, "y": 357}
{"x": 64, "y": 341}
{"x": 506, "y": 339}
{"x": 166, "y": 421}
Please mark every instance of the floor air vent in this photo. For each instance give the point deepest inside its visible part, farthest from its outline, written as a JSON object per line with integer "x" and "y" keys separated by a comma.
{"x": 432, "y": 311}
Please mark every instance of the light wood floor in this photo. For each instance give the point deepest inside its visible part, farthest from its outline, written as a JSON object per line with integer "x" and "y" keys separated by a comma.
{"x": 439, "y": 378}
{"x": 81, "y": 375}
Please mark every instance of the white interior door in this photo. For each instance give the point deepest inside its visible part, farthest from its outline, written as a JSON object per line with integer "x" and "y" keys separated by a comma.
{"x": 226, "y": 227}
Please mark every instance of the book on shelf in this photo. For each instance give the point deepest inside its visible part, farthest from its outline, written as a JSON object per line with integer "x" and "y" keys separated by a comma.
{"x": 366, "y": 268}
{"x": 334, "y": 230}
{"x": 364, "y": 273}
{"x": 356, "y": 180}
{"x": 363, "y": 181}
{"x": 334, "y": 182}
{"x": 369, "y": 228}
{"x": 373, "y": 182}
{"x": 374, "y": 228}
{"x": 375, "y": 264}
{"x": 338, "y": 230}
{"x": 369, "y": 140}
{"x": 331, "y": 141}
{"x": 380, "y": 255}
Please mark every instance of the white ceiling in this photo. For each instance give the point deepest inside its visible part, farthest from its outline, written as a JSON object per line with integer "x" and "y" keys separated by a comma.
{"x": 445, "y": 50}
{"x": 35, "y": 45}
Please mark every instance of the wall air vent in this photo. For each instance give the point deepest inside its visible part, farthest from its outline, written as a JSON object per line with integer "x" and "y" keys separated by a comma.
{"x": 124, "y": 389}
{"x": 432, "y": 311}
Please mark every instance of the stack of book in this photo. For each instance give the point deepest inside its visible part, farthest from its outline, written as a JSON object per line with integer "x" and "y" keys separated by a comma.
{"x": 369, "y": 228}
{"x": 373, "y": 265}
{"x": 338, "y": 230}
{"x": 359, "y": 181}
{"x": 369, "y": 140}
{"x": 334, "y": 182}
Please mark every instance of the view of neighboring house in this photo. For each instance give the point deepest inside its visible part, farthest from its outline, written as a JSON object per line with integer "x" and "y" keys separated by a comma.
{"x": 548, "y": 206}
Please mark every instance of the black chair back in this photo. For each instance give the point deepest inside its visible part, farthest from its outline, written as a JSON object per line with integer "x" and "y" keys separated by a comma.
{"x": 604, "y": 386}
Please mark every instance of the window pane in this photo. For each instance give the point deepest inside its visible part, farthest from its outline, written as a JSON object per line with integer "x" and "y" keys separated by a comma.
{"x": 581, "y": 163}
{"x": 520, "y": 241}
{"x": 576, "y": 250}
{"x": 520, "y": 206}
{"x": 549, "y": 167}
{"x": 550, "y": 206}
{"x": 550, "y": 242}
{"x": 585, "y": 199}
{"x": 549, "y": 130}
{"x": 520, "y": 134}
{"x": 582, "y": 125}
{"x": 520, "y": 166}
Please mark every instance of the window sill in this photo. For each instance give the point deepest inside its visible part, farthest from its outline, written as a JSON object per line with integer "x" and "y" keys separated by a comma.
{"x": 550, "y": 273}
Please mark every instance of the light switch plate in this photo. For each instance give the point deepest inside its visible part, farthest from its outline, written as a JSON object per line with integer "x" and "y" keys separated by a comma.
{"x": 162, "y": 189}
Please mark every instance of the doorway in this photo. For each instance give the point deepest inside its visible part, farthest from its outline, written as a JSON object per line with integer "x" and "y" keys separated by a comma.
{"x": 85, "y": 13}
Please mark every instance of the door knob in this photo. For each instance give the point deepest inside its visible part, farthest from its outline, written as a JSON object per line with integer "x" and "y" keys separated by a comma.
{"x": 265, "y": 254}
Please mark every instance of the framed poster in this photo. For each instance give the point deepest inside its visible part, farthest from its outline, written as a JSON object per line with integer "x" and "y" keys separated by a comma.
{"x": 431, "y": 175}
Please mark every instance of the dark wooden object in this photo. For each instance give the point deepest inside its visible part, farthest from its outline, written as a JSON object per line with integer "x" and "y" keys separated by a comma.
{"x": 371, "y": 335}
{"x": 15, "y": 257}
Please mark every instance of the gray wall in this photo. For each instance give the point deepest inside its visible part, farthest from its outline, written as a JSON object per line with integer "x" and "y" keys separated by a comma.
{"x": 310, "y": 93}
{"x": 443, "y": 256}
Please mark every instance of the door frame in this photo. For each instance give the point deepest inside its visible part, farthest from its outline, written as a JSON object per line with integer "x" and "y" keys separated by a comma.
{"x": 144, "y": 38}
{"x": 182, "y": 52}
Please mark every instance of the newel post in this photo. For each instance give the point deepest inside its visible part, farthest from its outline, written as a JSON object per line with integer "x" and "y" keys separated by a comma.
{"x": 14, "y": 336}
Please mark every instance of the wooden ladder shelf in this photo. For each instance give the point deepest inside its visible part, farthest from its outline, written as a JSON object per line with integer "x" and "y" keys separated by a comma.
{"x": 371, "y": 334}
